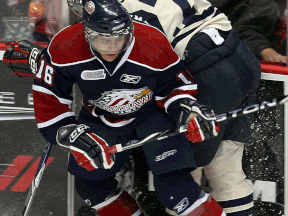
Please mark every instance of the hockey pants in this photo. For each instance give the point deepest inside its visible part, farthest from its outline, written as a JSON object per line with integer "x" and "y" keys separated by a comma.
{"x": 227, "y": 179}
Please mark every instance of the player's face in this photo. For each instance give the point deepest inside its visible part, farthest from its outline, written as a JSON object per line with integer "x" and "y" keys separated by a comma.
{"x": 108, "y": 47}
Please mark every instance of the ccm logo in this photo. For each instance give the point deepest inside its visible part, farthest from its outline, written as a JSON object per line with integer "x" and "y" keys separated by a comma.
{"x": 165, "y": 155}
{"x": 33, "y": 60}
{"x": 77, "y": 132}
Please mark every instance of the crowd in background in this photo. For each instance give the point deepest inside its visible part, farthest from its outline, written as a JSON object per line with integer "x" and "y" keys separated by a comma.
{"x": 41, "y": 19}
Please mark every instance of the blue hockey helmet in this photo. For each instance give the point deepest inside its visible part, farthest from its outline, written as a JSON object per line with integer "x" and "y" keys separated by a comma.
{"x": 105, "y": 22}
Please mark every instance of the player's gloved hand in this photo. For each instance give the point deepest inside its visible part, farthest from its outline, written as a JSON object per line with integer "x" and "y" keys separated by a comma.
{"x": 89, "y": 150}
{"x": 200, "y": 119}
{"x": 23, "y": 57}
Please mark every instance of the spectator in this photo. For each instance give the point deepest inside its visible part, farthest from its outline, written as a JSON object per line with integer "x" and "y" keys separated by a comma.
{"x": 2, "y": 6}
{"x": 12, "y": 9}
{"x": 281, "y": 30}
{"x": 36, "y": 12}
{"x": 254, "y": 21}
{"x": 49, "y": 18}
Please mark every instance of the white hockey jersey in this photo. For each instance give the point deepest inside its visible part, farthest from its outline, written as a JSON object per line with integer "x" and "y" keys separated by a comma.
{"x": 180, "y": 20}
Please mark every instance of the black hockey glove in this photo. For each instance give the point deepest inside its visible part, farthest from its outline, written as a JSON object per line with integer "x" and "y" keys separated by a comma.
{"x": 23, "y": 57}
{"x": 87, "y": 148}
{"x": 200, "y": 119}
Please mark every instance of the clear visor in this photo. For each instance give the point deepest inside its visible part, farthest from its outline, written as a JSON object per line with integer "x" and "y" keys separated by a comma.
{"x": 110, "y": 43}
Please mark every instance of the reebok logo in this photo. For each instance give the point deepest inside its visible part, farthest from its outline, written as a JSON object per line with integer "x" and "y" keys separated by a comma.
{"x": 183, "y": 204}
{"x": 165, "y": 155}
{"x": 130, "y": 79}
{"x": 88, "y": 202}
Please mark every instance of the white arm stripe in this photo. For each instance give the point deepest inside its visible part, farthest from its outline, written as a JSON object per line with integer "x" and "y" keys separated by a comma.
{"x": 56, "y": 119}
{"x": 108, "y": 201}
{"x": 155, "y": 69}
{"x": 117, "y": 124}
{"x": 184, "y": 88}
{"x": 196, "y": 204}
{"x": 168, "y": 102}
{"x": 46, "y": 91}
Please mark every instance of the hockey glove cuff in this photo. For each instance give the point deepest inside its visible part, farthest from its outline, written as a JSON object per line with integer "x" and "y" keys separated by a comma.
{"x": 23, "y": 57}
{"x": 200, "y": 119}
{"x": 89, "y": 150}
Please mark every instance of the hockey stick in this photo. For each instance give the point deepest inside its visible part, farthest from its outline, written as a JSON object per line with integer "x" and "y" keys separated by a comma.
{"x": 37, "y": 178}
{"x": 219, "y": 118}
{"x": 151, "y": 138}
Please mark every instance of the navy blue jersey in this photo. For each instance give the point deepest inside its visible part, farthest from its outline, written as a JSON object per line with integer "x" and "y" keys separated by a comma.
{"x": 149, "y": 73}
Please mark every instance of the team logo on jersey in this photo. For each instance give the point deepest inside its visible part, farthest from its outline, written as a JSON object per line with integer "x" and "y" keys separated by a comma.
{"x": 90, "y": 7}
{"x": 123, "y": 101}
{"x": 183, "y": 204}
{"x": 130, "y": 78}
{"x": 93, "y": 74}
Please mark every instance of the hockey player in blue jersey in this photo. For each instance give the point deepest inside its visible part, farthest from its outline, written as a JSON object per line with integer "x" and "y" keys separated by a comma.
{"x": 227, "y": 73}
{"x": 133, "y": 85}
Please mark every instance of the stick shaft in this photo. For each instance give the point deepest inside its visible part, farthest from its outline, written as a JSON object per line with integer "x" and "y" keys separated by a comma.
{"x": 252, "y": 109}
{"x": 37, "y": 178}
{"x": 219, "y": 118}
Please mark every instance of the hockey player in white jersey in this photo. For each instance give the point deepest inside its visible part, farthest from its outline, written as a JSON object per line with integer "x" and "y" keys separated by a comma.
{"x": 227, "y": 73}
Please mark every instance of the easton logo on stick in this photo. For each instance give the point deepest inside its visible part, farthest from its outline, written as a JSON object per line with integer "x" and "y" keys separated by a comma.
{"x": 248, "y": 109}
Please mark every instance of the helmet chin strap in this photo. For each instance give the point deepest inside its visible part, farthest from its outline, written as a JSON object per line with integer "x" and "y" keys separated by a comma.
{"x": 95, "y": 52}
{"x": 109, "y": 65}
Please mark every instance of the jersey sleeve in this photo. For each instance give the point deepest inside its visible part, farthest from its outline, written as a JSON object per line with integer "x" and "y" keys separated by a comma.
{"x": 175, "y": 84}
{"x": 52, "y": 98}
{"x": 180, "y": 20}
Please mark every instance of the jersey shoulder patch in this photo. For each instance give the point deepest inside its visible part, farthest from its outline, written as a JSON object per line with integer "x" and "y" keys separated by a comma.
{"x": 69, "y": 46}
{"x": 152, "y": 48}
